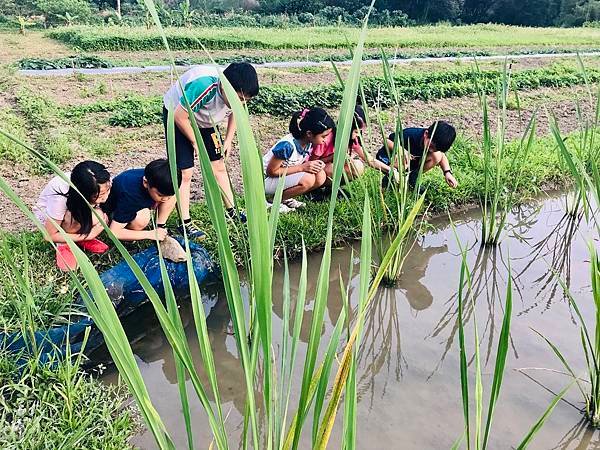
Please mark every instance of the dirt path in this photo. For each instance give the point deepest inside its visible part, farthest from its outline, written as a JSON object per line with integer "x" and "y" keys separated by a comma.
{"x": 462, "y": 112}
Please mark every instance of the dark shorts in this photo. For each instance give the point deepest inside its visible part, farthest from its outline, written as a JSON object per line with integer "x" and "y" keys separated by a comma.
{"x": 184, "y": 151}
{"x": 413, "y": 169}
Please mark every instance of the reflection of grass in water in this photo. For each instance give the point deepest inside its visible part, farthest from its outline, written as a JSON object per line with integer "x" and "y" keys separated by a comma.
{"x": 590, "y": 343}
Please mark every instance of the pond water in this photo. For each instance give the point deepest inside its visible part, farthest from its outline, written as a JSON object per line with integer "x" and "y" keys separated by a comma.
{"x": 408, "y": 375}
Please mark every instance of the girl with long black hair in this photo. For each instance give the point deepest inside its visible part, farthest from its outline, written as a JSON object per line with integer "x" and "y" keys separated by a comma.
{"x": 61, "y": 205}
{"x": 290, "y": 157}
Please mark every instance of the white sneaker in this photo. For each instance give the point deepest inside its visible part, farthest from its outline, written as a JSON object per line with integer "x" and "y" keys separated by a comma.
{"x": 293, "y": 203}
{"x": 283, "y": 209}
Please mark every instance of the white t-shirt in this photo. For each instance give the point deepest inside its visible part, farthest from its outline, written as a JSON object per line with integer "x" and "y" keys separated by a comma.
{"x": 53, "y": 201}
{"x": 289, "y": 150}
{"x": 201, "y": 86}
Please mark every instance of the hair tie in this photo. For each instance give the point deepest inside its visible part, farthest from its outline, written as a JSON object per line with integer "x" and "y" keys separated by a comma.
{"x": 301, "y": 117}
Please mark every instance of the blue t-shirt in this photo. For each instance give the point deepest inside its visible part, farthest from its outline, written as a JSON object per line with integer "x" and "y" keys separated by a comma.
{"x": 128, "y": 196}
{"x": 412, "y": 141}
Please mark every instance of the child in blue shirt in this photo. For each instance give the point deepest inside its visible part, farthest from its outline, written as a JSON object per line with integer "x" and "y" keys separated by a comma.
{"x": 430, "y": 143}
{"x": 134, "y": 194}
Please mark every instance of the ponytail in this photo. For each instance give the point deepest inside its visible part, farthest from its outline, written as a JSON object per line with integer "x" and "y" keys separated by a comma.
{"x": 315, "y": 120}
{"x": 87, "y": 176}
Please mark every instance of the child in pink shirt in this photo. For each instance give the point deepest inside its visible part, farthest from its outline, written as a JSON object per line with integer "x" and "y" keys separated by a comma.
{"x": 355, "y": 165}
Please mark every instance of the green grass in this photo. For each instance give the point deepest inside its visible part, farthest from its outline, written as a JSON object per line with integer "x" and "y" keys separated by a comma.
{"x": 442, "y": 36}
{"x": 58, "y": 406}
{"x": 34, "y": 294}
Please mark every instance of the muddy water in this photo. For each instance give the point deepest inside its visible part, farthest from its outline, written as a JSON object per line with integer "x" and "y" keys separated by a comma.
{"x": 409, "y": 387}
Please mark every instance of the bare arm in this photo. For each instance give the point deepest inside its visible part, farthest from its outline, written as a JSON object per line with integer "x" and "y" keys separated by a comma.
{"x": 373, "y": 162}
{"x": 231, "y": 127}
{"x": 124, "y": 234}
{"x": 275, "y": 168}
{"x": 56, "y": 236}
{"x": 182, "y": 120}
{"x": 444, "y": 163}
{"x": 445, "y": 166}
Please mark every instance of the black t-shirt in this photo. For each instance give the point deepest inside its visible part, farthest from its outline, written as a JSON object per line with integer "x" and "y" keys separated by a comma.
{"x": 128, "y": 196}
{"x": 412, "y": 141}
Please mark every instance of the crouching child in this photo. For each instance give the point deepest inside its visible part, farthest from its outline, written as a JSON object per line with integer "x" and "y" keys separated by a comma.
{"x": 135, "y": 194}
{"x": 430, "y": 144}
{"x": 290, "y": 157}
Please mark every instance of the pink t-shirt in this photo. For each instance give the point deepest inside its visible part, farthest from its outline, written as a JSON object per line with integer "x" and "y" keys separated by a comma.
{"x": 325, "y": 149}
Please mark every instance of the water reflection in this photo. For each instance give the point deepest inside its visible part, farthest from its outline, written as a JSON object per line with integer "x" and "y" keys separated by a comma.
{"x": 408, "y": 368}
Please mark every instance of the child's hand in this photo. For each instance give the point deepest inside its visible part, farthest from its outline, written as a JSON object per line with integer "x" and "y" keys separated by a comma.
{"x": 161, "y": 233}
{"x": 406, "y": 160}
{"x": 313, "y": 166}
{"x": 451, "y": 180}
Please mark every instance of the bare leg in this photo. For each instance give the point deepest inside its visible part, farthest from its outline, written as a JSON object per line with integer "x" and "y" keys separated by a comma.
{"x": 320, "y": 179}
{"x": 223, "y": 180}
{"x": 141, "y": 221}
{"x": 184, "y": 192}
{"x": 328, "y": 173}
{"x": 306, "y": 184}
{"x": 165, "y": 209}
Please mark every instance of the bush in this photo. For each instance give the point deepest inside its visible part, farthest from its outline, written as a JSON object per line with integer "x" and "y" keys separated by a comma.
{"x": 65, "y": 12}
{"x": 77, "y": 62}
{"x": 281, "y": 100}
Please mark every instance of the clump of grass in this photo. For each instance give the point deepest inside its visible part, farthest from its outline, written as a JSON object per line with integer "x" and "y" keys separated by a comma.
{"x": 34, "y": 295}
{"x": 15, "y": 125}
{"x": 580, "y": 152}
{"x": 58, "y": 406}
{"x": 501, "y": 171}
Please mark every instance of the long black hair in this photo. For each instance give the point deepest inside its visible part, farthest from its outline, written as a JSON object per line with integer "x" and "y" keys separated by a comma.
{"x": 87, "y": 176}
{"x": 315, "y": 120}
{"x": 359, "y": 121}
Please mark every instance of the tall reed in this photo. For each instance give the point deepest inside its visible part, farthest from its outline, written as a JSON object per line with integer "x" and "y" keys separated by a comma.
{"x": 502, "y": 168}
{"x": 477, "y": 431}
{"x": 581, "y": 152}
{"x": 393, "y": 199}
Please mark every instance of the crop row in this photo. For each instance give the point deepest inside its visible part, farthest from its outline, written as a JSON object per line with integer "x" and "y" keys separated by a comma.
{"x": 282, "y": 100}
{"x": 481, "y": 36}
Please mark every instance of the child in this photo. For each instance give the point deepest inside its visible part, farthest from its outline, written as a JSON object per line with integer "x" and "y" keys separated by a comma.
{"x": 205, "y": 94}
{"x": 431, "y": 143}
{"x": 71, "y": 212}
{"x": 134, "y": 194}
{"x": 290, "y": 155}
{"x": 355, "y": 166}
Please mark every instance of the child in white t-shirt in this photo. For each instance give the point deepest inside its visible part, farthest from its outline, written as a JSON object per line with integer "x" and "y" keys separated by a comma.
{"x": 67, "y": 208}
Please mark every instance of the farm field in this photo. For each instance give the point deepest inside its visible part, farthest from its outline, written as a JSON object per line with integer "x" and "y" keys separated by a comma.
{"x": 410, "y": 351}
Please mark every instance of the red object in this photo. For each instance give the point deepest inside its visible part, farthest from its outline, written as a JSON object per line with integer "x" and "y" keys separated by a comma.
{"x": 325, "y": 149}
{"x": 65, "y": 259}
{"x": 93, "y": 246}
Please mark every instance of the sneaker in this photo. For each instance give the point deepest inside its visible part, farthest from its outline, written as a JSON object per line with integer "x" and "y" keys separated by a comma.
{"x": 292, "y": 203}
{"x": 241, "y": 215}
{"x": 193, "y": 232}
{"x": 93, "y": 246}
{"x": 65, "y": 259}
{"x": 282, "y": 208}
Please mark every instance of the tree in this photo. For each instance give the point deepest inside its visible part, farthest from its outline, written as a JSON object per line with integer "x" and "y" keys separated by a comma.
{"x": 574, "y": 13}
